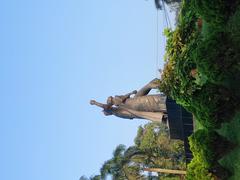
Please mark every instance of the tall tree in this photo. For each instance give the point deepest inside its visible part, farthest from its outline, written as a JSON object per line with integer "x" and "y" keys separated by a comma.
{"x": 152, "y": 149}
{"x": 153, "y": 139}
{"x": 120, "y": 166}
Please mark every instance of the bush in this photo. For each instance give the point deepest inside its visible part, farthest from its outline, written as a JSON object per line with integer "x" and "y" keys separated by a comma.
{"x": 197, "y": 171}
{"x": 207, "y": 148}
{"x": 221, "y": 63}
{"x": 187, "y": 21}
{"x": 202, "y": 74}
{"x": 200, "y": 71}
{"x": 215, "y": 12}
{"x": 176, "y": 78}
{"x": 233, "y": 29}
{"x": 209, "y": 105}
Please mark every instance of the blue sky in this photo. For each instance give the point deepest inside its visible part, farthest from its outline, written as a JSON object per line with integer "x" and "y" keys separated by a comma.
{"x": 57, "y": 55}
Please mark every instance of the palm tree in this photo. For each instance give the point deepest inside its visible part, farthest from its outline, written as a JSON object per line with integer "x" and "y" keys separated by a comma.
{"x": 114, "y": 166}
{"x": 120, "y": 166}
{"x": 152, "y": 149}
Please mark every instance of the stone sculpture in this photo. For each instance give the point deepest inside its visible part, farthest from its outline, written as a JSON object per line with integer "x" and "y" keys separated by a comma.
{"x": 141, "y": 105}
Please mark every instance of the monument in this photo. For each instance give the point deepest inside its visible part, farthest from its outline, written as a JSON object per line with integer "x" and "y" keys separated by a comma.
{"x": 137, "y": 104}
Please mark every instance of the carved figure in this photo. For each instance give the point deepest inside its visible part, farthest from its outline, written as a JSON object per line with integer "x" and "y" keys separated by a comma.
{"x": 141, "y": 105}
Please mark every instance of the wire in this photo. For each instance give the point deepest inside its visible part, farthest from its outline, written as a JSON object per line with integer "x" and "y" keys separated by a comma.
{"x": 168, "y": 25}
{"x": 157, "y": 44}
{"x": 167, "y": 19}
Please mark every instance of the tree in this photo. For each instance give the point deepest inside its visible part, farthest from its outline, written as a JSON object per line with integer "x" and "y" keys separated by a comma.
{"x": 83, "y": 178}
{"x": 152, "y": 149}
{"x": 97, "y": 177}
{"x": 153, "y": 140}
{"x": 120, "y": 166}
{"x": 172, "y": 3}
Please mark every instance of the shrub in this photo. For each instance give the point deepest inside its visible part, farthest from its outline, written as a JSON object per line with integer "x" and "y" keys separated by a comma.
{"x": 209, "y": 105}
{"x": 197, "y": 171}
{"x": 207, "y": 148}
{"x": 233, "y": 29}
{"x": 215, "y": 12}
{"x": 221, "y": 63}
{"x": 176, "y": 78}
{"x": 187, "y": 20}
{"x": 199, "y": 72}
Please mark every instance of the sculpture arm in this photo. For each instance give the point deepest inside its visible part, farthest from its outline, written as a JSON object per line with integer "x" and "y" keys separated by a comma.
{"x": 104, "y": 106}
{"x": 148, "y": 87}
{"x": 129, "y": 94}
{"x": 124, "y": 97}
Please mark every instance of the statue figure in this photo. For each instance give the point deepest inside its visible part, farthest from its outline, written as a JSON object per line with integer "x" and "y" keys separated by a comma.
{"x": 141, "y": 105}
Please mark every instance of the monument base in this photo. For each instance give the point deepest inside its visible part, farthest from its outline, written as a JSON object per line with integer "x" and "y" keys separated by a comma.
{"x": 180, "y": 123}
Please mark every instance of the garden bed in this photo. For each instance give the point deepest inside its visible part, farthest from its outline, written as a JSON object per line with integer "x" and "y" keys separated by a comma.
{"x": 202, "y": 73}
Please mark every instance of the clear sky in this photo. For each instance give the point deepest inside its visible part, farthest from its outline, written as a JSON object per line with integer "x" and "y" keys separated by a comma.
{"x": 55, "y": 56}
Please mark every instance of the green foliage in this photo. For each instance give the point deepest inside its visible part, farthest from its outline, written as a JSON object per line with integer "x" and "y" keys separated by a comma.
{"x": 232, "y": 160}
{"x": 152, "y": 149}
{"x": 148, "y": 139}
{"x": 120, "y": 166}
{"x": 207, "y": 148}
{"x": 221, "y": 63}
{"x": 158, "y": 149}
{"x": 177, "y": 70}
{"x": 197, "y": 171}
{"x": 209, "y": 105}
{"x": 97, "y": 177}
{"x": 187, "y": 19}
{"x": 233, "y": 29}
{"x": 202, "y": 80}
{"x": 201, "y": 145}
{"x": 176, "y": 78}
{"x": 83, "y": 178}
{"x": 137, "y": 139}
{"x": 201, "y": 73}
{"x": 198, "y": 93}
{"x": 213, "y": 11}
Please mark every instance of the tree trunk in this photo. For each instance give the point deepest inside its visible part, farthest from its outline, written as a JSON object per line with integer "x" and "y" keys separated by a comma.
{"x": 166, "y": 171}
